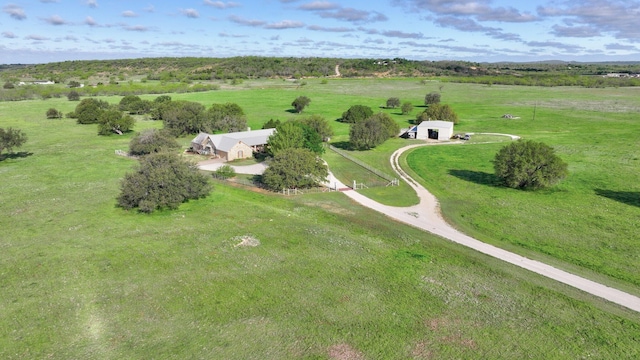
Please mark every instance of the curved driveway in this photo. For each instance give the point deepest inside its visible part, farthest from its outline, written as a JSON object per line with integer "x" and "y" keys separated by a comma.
{"x": 426, "y": 216}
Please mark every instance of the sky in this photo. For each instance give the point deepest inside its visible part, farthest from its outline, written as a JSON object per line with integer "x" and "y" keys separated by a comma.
{"x": 42, "y": 31}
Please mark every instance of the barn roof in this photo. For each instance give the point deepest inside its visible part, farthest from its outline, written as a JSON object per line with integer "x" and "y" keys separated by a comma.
{"x": 436, "y": 124}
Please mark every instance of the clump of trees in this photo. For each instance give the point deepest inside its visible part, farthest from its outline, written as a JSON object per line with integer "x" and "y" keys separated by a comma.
{"x": 162, "y": 181}
{"x": 11, "y": 138}
{"x": 300, "y": 103}
{"x": 320, "y": 125}
{"x": 109, "y": 118}
{"x": 295, "y": 168}
{"x": 372, "y": 131}
{"x": 151, "y": 141}
{"x": 437, "y": 112}
{"x": 356, "y": 113}
{"x": 188, "y": 117}
{"x": 527, "y": 164}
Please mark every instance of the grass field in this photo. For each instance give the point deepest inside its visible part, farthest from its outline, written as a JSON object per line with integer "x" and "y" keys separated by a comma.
{"x": 326, "y": 279}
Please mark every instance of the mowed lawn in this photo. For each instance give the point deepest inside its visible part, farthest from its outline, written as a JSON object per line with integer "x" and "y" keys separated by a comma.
{"x": 81, "y": 278}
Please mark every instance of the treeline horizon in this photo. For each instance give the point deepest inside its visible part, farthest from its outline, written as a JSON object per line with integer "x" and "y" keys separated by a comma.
{"x": 200, "y": 69}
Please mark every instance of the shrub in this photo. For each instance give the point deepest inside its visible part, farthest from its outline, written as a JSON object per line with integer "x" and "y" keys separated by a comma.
{"x": 393, "y": 102}
{"x": 54, "y": 114}
{"x": 225, "y": 172}
{"x": 73, "y": 96}
{"x": 432, "y": 98}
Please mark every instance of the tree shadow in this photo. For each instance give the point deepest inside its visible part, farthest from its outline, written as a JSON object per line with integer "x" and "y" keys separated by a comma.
{"x": 18, "y": 155}
{"x": 478, "y": 177}
{"x": 342, "y": 145}
{"x": 292, "y": 111}
{"x": 627, "y": 197}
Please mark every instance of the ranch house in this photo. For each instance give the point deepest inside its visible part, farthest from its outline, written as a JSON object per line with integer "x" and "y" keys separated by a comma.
{"x": 231, "y": 146}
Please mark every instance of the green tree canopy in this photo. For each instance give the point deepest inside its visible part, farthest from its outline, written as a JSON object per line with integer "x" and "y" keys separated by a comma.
{"x": 183, "y": 117}
{"x": 432, "y": 98}
{"x": 226, "y": 118}
{"x": 112, "y": 121}
{"x": 527, "y": 164}
{"x": 393, "y": 102}
{"x": 369, "y": 133}
{"x": 407, "y": 107}
{"x": 295, "y": 168}
{"x": 356, "y": 113}
{"x": 73, "y": 96}
{"x": 11, "y": 138}
{"x": 288, "y": 135}
{"x": 300, "y": 103}
{"x": 271, "y": 124}
{"x": 162, "y": 181}
{"x": 320, "y": 125}
{"x": 89, "y": 109}
{"x": 152, "y": 141}
{"x": 438, "y": 112}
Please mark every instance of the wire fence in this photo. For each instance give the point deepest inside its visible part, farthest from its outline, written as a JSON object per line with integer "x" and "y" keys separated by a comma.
{"x": 388, "y": 180}
{"x": 260, "y": 185}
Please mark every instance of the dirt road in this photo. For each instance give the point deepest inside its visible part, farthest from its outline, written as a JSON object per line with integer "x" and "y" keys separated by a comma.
{"x": 426, "y": 216}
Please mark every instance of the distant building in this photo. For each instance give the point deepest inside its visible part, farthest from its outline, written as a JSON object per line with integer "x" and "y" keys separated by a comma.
{"x": 433, "y": 129}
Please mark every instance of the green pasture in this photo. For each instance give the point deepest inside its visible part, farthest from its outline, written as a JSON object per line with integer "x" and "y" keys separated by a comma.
{"x": 81, "y": 278}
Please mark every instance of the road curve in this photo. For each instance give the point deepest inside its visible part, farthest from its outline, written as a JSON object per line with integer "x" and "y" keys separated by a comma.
{"x": 426, "y": 216}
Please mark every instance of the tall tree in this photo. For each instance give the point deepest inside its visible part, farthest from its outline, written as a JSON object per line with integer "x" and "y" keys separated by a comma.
{"x": 295, "y": 168}
{"x": 11, "y": 138}
{"x": 367, "y": 134}
{"x": 356, "y": 113}
{"x": 112, "y": 121}
{"x": 527, "y": 164}
{"x": 89, "y": 109}
{"x": 320, "y": 125}
{"x": 287, "y": 136}
{"x": 162, "y": 181}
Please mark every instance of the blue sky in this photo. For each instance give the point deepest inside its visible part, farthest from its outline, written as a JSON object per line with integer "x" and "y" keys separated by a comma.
{"x": 39, "y": 31}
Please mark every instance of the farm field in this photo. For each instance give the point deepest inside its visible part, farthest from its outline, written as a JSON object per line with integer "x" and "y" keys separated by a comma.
{"x": 248, "y": 275}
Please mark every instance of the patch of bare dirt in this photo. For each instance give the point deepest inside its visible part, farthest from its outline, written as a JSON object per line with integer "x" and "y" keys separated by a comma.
{"x": 246, "y": 241}
{"x": 345, "y": 352}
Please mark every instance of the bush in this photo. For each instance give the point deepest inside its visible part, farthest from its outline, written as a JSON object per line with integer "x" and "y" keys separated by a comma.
{"x": 54, "y": 114}
{"x": 111, "y": 121}
{"x": 407, "y": 108}
{"x": 152, "y": 141}
{"x": 8, "y": 85}
{"x": 393, "y": 102}
{"x": 225, "y": 172}
{"x": 162, "y": 180}
{"x": 89, "y": 110}
{"x": 73, "y": 96}
{"x": 529, "y": 165}
{"x": 432, "y": 98}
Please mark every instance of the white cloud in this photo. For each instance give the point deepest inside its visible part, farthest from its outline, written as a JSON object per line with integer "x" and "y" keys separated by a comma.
{"x": 55, "y": 20}
{"x": 190, "y": 13}
{"x": 221, "y": 4}
{"x": 92, "y": 3}
{"x": 15, "y": 11}
{"x": 285, "y": 24}
{"x": 129, "y": 14}
{"x": 9, "y": 35}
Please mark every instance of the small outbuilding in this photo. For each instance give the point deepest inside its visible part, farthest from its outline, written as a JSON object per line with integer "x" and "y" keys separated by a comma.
{"x": 432, "y": 129}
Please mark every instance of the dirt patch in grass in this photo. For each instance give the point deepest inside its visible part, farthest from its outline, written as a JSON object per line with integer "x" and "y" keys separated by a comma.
{"x": 345, "y": 352}
{"x": 246, "y": 241}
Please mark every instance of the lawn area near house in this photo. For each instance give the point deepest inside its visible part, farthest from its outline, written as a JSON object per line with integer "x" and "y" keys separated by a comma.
{"x": 250, "y": 275}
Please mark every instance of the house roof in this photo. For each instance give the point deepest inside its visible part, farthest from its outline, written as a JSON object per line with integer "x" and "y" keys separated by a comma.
{"x": 436, "y": 124}
{"x": 227, "y": 141}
